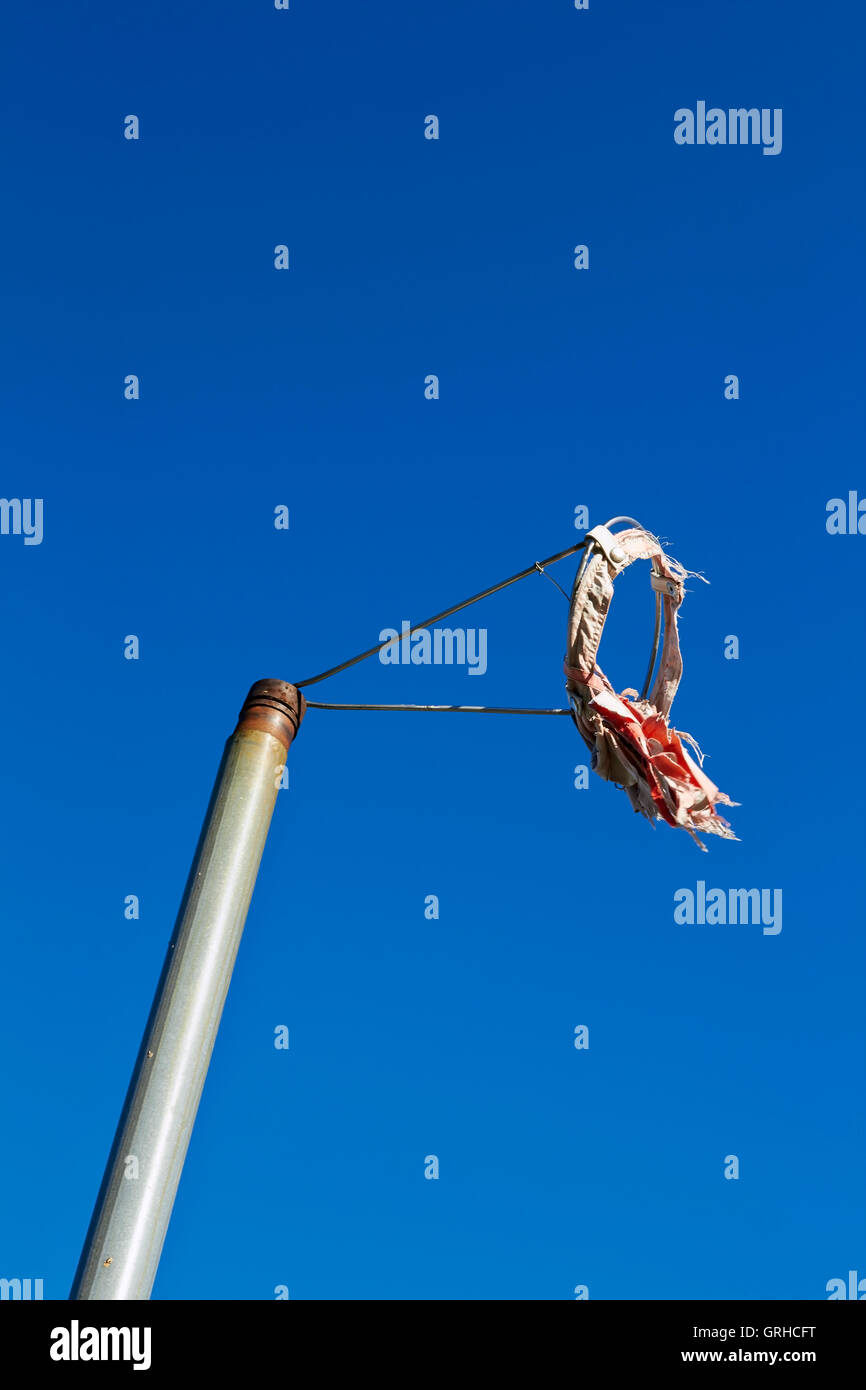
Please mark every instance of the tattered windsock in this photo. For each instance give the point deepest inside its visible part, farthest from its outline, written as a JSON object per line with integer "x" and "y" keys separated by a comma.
{"x": 632, "y": 743}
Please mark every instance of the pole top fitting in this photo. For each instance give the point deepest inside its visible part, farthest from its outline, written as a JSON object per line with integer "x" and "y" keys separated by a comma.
{"x": 274, "y": 707}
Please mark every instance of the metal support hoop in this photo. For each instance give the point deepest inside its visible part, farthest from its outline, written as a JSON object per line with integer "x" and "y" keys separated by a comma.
{"x": 587, "y": 556}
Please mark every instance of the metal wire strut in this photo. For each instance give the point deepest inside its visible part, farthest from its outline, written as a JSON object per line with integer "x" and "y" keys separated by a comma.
{"x": 446, "y": 709}
{"x": 537, "y": 567}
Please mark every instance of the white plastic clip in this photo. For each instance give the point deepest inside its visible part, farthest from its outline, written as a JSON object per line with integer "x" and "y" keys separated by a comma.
{"x": 665, "y": 586}
{"x": 608, "y": 544}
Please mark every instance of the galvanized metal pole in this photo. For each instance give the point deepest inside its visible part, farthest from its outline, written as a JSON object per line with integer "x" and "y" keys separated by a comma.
{"x": 124, "y": 1241}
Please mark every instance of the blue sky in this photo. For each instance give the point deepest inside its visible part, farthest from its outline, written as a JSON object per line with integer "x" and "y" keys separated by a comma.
{"x": 558, "y": 388}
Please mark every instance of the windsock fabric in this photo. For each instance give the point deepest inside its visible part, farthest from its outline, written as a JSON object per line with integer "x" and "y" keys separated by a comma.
{"x": 632, "y": 744}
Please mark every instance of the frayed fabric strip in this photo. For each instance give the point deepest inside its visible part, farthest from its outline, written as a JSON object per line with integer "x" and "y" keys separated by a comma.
{"x": 632, "y": 743}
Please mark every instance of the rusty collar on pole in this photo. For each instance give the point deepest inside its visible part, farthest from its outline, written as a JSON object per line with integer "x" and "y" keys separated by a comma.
{"x": 274, "y": 707}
